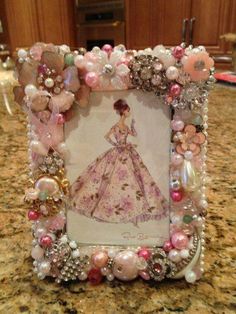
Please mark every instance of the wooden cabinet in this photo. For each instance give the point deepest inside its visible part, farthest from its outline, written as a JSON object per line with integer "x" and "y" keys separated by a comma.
{"x": 152, "y": 22}
{"x": 29, "y": 21}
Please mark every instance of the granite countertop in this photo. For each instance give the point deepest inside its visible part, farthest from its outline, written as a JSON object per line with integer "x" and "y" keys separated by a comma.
{"x": 22, "y": 292}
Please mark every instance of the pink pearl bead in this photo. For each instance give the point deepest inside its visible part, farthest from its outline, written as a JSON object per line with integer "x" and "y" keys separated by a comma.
{"x": 33, "y": 215}
{"x": 46, "y": 241}
{"x": 145, "y": 253}
{"x": 125, "y": 265}
{"x": 175, "y": 90}
{"x": 99, "y": 259}
{"x": 145, "y": 275}
{"x": 176, "y": 195}
{"x": 91, "y": 79}
{"x": 176, "y": 159}
{"x": 179, "y": 240}
{"x": 178, "y": 52}
{"x": 177, "y": 125}
{"x": 167, "y": 246}
{"x": 107, "y": 48}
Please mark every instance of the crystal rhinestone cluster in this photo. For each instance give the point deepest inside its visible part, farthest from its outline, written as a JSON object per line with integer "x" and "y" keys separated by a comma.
{"x": 52, "y": 81}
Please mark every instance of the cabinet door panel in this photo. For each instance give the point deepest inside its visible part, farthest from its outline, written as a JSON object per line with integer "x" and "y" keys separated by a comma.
{"x": 212, "y": 17}
{"x": 138, "y": 23}
{"x": 167, "y": 20}
{"x": 22, "y": 23}
{"x": 56, "y": 21}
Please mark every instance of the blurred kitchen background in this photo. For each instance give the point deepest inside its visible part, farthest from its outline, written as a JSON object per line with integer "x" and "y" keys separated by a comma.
{"x": 135, "y": 23}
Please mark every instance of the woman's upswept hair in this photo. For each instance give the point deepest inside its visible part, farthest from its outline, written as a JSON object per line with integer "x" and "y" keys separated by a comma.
{"x": 121, "y": 106}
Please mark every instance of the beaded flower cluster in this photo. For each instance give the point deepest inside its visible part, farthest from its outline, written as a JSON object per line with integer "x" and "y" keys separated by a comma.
{"x": 53, "y": 80}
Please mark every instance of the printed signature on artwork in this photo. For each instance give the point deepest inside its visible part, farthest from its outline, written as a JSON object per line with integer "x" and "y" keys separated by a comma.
{"x": 139, "y": 236}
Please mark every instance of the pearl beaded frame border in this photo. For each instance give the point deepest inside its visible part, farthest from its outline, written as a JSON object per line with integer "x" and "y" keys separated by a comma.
{"x": 62, "y": 258}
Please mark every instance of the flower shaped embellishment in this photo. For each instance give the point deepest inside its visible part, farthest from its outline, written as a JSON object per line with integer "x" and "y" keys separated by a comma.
{"x": 104, "y": 70}
{"x": 190, "y": 140}
{"x": 146, "y": 73}
{"x": 198, "y": 65}
{"x": 45, "y": 76}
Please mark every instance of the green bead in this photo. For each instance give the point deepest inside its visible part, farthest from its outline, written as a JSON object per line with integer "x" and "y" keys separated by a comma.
{"x": 187, "y": 219}
{"x": 197, "y": 120}
{"x": 43, "y": 195}
{"x": 69, "y": 59}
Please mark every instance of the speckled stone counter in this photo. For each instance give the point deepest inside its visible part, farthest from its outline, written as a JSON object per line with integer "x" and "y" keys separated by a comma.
{"x": 22, "y": 292}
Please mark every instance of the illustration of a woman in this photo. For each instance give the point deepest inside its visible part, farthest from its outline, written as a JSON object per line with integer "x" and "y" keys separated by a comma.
{"x": 117, "y": 187}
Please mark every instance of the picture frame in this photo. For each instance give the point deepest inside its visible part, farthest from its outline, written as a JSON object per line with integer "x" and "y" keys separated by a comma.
{"x": 103, "y": 207}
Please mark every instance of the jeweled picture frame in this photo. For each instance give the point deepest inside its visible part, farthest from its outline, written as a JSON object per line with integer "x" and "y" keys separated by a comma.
{"x": 117, "y": 158}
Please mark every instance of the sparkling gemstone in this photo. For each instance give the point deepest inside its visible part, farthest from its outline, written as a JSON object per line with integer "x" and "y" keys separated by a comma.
{"x": 42, "y": 69}
{"x": 146, "y": 73}
{"x": 157, "y": 268}
{"x": 156, "y": 80}
{"x": 108, "y": 69}
{"x": 157, "y": 66}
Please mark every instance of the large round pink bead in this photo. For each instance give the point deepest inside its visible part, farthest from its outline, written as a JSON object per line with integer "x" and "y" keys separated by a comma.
{"x": 99, "y": 259}
{"x": 107, "y": 48}
{"x": 177, "y": 125}
{"x": 179, "y": 240}
{"x": 175, "y": 90}
{"x": 167, "y": 246}
{"x": 178, "y": 52}
{"x": 176, "y": 159}
{"x": 125, "y": 265}
{"x": 176, "y": 195}
{"x": 91, "y": 79}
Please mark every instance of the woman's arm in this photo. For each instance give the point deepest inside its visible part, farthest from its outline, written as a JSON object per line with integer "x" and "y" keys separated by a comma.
{"x": 108, "y": 137}
{"x": 132, "y": 130}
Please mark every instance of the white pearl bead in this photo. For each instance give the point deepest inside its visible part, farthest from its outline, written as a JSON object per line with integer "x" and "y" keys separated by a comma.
{"x": 64, "y": 239}
{"x": 30, "y": 90}
{"x": 184, "y": 253}
{"x": 82, "y": 276}
{"x": 188, "y": 155}
{"x": 111, "y": 253}
{"x": 22, "y": 53}
{"x": 203, "y": 203}
{"x": 105, "y": 271}
{"x": 176, "y": 220}
{"x": 110, "y": 277}
{"x": 73, "y": 244}
{"x": 172, "y": 73}
{"x": 41, "y": 276}
{"x": 79, "y": 61}
{"x": 40, "y": 232}
{"x": 44, "y": 267}
{"x": 49, "y": 82}
{"x": 75, "y": 254}
{"x": 190, "y": 276}
{"x": 174, "y": 256}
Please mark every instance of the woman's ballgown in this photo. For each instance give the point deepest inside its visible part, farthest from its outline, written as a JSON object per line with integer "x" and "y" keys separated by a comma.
{"x": 117, "y": 187}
